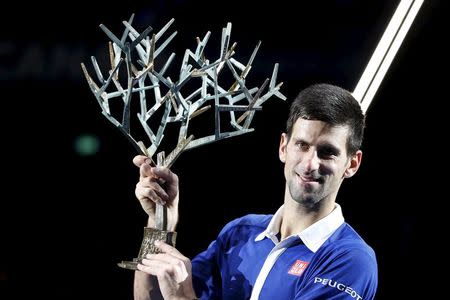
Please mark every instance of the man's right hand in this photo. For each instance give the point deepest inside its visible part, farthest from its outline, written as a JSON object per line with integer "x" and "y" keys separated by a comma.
{"x": 157, "y": 185}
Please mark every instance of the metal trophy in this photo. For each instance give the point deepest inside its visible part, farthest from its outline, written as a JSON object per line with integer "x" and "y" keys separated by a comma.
{"x": 133, "y": 74}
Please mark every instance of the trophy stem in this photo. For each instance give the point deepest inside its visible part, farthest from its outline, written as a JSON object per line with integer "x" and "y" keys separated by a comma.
{"x": 160, "y": 233}
{"x": 161, "y": 217}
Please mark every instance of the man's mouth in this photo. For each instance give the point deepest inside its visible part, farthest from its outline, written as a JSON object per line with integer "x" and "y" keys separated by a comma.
{"x": 310, "y": 179}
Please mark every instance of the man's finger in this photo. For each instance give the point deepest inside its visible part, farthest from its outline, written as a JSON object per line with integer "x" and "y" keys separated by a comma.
{"x": 166, "y": 248}
{"x": 154, "y": 267}
{"x": 153, "y": 196}
{"x": 146, "y": 171}
{"x": 138, "y": 160}
{"x": 166, "y": 175}
{"x": 165, "y": 264}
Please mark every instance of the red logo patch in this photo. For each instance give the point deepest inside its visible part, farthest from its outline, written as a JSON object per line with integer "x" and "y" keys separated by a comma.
{"x": 298, "y": 267}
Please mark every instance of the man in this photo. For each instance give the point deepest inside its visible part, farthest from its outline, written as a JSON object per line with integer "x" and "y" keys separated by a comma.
{"x": 305, "y": 250}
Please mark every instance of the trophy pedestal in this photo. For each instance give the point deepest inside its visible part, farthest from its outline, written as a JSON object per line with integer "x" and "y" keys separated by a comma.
{"x": 148, "y": 245}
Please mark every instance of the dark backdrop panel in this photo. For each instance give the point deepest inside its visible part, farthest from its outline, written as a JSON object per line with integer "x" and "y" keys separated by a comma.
{"x": 67, "y": 219}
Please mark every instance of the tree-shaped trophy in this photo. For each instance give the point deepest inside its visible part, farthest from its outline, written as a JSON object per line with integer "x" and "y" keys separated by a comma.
{"x": 174, "y": 101}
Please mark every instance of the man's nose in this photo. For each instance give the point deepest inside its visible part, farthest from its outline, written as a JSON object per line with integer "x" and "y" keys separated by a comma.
{"x": 312, "y": 161}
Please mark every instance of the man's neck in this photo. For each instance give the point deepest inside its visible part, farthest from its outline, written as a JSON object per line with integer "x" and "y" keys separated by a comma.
{"x": 297, "y": 218}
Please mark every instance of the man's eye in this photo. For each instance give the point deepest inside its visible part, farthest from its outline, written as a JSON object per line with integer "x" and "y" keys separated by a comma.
{"x": 326, "y": 153}
{"x": 303, "y": 146}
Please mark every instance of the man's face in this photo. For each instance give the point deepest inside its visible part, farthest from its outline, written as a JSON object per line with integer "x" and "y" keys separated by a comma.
{"x": 316, "y": 161}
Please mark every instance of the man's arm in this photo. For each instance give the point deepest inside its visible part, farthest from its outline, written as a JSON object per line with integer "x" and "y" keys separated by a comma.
{"x": 156, "y": 185}
{"x": 146, "y": 287}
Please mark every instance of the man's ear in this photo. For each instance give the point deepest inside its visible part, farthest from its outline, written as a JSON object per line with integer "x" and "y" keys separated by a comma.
{"x": 353, "y": 164}
{"x": 283, "y": 145}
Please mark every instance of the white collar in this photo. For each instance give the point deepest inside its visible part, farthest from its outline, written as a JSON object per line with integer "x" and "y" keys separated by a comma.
{"x": 313, "y": 236}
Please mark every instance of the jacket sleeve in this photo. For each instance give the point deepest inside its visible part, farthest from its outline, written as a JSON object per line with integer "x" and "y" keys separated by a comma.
{"x": 206, "y": 274}
{"x": 351, "y": 275}
{"x": 206, "y": 266}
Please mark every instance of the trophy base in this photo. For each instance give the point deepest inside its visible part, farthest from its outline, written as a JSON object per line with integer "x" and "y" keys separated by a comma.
{"x": 148, "y": 245}
{"x": 130, "y": 265}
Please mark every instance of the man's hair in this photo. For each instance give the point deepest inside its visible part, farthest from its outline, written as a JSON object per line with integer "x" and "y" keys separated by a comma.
{"x": 333, "y": 105}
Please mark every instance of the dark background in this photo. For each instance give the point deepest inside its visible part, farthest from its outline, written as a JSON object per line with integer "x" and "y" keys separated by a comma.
{"x": 67, "y": 218}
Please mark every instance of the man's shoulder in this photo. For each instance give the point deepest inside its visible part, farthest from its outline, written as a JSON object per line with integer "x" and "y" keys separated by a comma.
{"x": 344, "y": 267}
{"x": 257, "y": 222}
{"x": 346, "y": 242}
